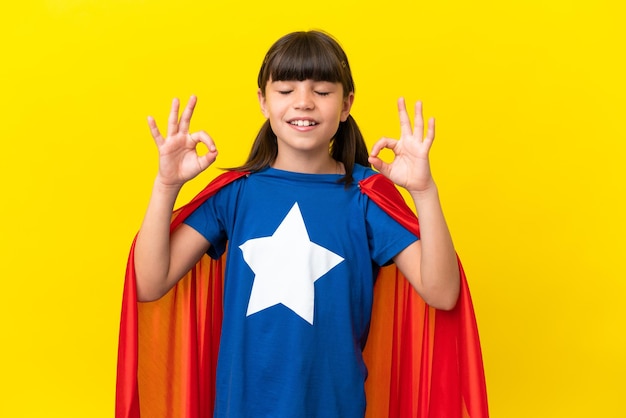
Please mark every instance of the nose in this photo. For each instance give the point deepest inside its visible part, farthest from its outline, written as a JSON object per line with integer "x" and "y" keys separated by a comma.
{"x": 303, "y": 99}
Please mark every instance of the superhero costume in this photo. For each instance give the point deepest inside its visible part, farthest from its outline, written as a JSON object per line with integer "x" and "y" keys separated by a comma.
{"x": 421, "y": 362}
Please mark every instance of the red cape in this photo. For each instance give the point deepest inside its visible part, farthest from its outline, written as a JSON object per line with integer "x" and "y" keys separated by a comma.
{"x": 422, "y": 362}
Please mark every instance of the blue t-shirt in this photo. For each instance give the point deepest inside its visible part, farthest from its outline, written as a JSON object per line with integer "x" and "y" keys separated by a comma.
{"x": 303, "y": 255}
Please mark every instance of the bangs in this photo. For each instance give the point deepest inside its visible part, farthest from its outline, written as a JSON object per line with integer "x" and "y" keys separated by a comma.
{"x": 306, "y": 56}
{"x": 305, "y": 61}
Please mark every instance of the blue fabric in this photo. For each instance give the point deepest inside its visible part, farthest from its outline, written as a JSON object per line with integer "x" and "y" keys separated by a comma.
{"x": 276, "y": 361}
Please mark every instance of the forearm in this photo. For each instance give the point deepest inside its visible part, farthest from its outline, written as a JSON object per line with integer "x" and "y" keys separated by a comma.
{"x": 439, "y": 269}
{"x": 152, "y": 248}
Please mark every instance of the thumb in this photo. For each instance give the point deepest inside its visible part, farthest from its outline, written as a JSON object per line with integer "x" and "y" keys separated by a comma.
{"x": 379, "y": 165}
{"x": 211, "y": 155}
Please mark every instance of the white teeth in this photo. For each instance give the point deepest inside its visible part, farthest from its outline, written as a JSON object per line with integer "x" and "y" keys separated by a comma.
{"x": 303, "y": 122}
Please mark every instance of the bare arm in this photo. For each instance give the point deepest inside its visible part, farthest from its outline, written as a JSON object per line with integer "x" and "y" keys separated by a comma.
{"x": 160, "y": 259}
{"x": 430, "y": 264}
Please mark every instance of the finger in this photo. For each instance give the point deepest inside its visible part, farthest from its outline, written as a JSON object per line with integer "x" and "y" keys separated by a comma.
{"x": 379, "y": 164}
{"x": 205, "y": 138}
{"x": 405, "y": 122}
{"x": 419, "y": 121}
{"x": 154, "y": 131}
{"x": 375, "y": 161}
{"x": 382, "y": 144}
{"x": 172, "y": 121}
{"x": 207, "y": 159}
{"x": 430, "y": 133}
{"x": 185, "y": 119}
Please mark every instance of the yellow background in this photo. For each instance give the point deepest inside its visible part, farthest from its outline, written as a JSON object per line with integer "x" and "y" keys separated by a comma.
{"x": 529, "y": 99}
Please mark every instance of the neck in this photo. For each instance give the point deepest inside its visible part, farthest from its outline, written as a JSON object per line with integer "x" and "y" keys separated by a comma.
{"x": 309, "y": 165}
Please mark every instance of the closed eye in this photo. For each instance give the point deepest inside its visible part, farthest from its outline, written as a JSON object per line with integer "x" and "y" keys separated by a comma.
{"x": 323, "y": 93}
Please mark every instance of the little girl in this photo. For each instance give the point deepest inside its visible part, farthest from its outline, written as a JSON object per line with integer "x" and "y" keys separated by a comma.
{"x": 305, "y": 244}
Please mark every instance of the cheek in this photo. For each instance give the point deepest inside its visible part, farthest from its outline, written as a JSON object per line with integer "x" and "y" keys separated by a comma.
{"x": 274, "y": 121}
{"x": 272, "y": 115}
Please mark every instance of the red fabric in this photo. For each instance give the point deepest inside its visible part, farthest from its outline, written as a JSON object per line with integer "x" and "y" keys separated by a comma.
{"x": 422, "y": 362}
{"x": 446, "y": 379}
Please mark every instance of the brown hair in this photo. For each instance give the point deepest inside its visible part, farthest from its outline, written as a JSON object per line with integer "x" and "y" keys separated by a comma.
{"x": 300, "y": 56}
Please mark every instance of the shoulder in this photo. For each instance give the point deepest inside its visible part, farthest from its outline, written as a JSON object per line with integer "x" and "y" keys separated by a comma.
{"x": 375, "y": 186}
{"x": 217, "y": 186}
{"x": 371, "y": 181}
{"x": 225, "y": 181}
{"x": 384, "y": 193}
{"x": 360, "y": 173}
{"x": 227, "y": 178}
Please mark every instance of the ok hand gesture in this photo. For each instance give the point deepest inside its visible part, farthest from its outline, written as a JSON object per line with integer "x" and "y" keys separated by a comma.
{"x": 178, "y": 157}
{"x": 410, "y": 167}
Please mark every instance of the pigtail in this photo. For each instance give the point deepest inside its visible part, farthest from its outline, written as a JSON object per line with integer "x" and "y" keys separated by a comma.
{"x": 263, "y": 152}
{"x": 349, "y": 148}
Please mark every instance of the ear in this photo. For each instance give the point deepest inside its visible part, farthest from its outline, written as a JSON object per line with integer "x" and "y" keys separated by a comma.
{"x": 262, "y": 102}
{"x": 347, "y": 105}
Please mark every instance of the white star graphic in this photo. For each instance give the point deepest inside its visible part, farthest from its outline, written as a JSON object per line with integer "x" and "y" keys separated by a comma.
{"x": 286, "y": 266}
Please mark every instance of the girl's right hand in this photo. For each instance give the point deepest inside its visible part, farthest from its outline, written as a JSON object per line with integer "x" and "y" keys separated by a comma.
{"x": 178, "y": 156}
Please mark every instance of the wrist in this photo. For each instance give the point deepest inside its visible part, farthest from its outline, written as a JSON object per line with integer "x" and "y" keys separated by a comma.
{"x": 424, "y": 198}
{"x": 424, "y": 191}
{"x": 162, "y": 186}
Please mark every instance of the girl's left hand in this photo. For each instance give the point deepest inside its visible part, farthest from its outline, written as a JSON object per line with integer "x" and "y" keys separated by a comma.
{"x": 410, "y": 167}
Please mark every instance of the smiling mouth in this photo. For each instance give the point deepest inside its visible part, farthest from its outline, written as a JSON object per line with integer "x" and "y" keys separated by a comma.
{"x": 303, "y": 123}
